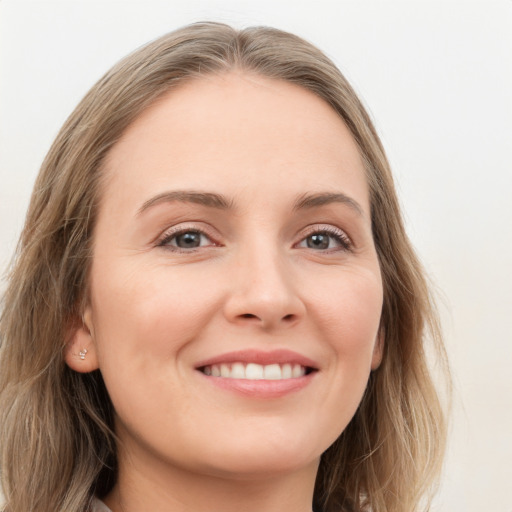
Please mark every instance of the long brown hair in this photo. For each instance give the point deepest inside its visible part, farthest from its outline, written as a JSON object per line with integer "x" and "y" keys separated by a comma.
{"x": 57, "y": 443}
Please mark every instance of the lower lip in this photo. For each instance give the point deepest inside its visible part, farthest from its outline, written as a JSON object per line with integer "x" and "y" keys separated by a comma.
{"x": 261, "y": 388}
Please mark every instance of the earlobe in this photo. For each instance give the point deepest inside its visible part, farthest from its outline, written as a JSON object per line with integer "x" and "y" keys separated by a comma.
{"x": 378, "y": 349}
{"x": 80, "y": 350}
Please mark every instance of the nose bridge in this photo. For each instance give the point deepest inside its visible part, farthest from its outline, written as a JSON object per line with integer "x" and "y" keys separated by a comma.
{"x": 263, "y": 291}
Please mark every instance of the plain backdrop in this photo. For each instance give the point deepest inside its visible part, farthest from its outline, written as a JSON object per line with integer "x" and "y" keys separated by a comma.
{"x": 437, "y": 79}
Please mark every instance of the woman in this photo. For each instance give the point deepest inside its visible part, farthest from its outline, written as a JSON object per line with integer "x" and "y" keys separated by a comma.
{"x": 214, "y": 304}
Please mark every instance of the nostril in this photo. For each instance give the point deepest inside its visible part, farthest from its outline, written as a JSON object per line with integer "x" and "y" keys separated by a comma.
{"x": 267, "y": 320}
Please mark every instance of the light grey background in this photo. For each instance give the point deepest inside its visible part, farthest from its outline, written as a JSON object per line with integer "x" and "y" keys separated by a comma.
{"x": 436, "y": 77}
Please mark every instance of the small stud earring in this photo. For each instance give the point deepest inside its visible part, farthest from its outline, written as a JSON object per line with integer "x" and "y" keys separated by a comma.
{"x": 82, "y": 353}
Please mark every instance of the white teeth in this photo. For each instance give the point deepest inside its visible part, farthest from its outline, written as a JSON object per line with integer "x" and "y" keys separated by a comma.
{"x": 253, "y": 371}
{"x": 225, "y": 370}
{"x": 286, "y": 371}
{"x": 297, "y": 371}
{"x": 238, "y": 371}
{"x": 272, "y": 372}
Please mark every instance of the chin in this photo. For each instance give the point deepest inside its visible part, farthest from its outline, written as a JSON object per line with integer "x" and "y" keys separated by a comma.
{"x": 258, "y": 467}
{"x": 263, "y": 454}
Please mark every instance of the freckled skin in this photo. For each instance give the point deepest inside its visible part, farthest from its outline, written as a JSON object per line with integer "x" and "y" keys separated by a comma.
{"x": 252, "y": 283}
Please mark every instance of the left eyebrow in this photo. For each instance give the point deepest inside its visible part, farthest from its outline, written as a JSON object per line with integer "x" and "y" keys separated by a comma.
{"x": 313, "y": 200}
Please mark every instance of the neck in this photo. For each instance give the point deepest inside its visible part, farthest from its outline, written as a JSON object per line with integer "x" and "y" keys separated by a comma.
{"x": 161, "y": 488}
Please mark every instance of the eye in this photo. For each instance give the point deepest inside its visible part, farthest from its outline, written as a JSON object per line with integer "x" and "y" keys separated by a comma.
{"x": 186, "y": 239}
{"x": 326, "y": 239}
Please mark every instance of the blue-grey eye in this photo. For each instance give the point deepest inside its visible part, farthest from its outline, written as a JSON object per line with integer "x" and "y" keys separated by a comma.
{"x": 188, "y": 240}
{"x": 325, "y": 240}
{"x": 318, "y": 241}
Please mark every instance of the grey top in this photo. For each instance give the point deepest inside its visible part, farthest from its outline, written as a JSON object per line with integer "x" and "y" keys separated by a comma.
{"x": 98, "y": 506}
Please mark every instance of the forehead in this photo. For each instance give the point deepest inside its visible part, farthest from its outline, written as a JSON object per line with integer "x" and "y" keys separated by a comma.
{"x": 237, "y": 130}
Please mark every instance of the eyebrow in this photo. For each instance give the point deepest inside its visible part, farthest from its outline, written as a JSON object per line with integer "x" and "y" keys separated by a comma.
{"x": 213, "y": 200}
{"x": 209, "y": 199}
{"x": 324, "y": 198}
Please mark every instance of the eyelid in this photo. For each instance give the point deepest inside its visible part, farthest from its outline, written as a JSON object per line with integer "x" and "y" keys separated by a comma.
{"x": 345, "y": 240}
{"x": 185, "y": 227}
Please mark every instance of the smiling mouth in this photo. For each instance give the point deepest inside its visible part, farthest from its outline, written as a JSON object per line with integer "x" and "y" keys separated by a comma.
{"x": 254, "y": 371}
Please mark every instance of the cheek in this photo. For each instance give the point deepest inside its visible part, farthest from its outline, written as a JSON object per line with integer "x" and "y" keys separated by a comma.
{"x": 349, "y": 315}
{"x": 345, "y": 312}
{"x": 144, "y": 321}
{"x": 151, "y": 312}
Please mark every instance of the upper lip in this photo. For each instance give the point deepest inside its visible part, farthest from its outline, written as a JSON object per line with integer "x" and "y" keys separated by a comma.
{"x": 279, "y": 356}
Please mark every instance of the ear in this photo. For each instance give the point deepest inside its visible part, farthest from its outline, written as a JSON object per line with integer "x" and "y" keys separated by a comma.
{"x": 378, "y": 349}
{"x": 80, "y": 350}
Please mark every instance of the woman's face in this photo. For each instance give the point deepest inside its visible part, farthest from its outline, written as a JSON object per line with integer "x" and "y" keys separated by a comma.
{"x": 235, "y": 291}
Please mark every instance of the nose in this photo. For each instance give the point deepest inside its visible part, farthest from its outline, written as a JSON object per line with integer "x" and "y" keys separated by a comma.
{"x": 263, "y": 292}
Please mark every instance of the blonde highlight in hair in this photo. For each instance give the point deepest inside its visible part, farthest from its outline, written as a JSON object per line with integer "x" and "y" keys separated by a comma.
{"x": 56, "y": 425}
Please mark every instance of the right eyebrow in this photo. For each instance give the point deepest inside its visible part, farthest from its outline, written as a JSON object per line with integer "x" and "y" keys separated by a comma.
{"x": 209, "y": 199}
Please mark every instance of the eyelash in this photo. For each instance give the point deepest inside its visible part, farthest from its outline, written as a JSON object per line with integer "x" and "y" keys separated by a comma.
{"x": 168, "y": 236}
{"x": 336, "y": 233}
{"x": 345, "y": 244}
